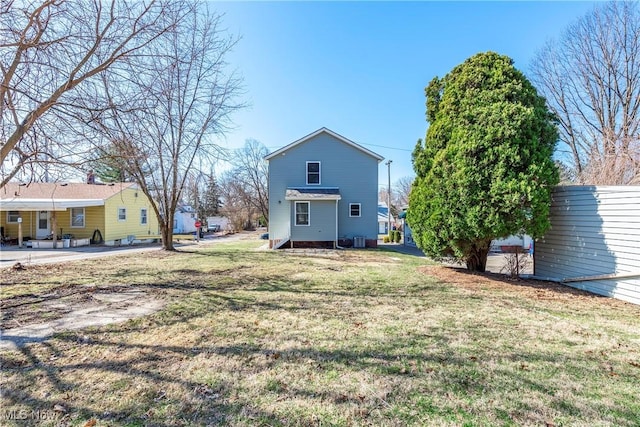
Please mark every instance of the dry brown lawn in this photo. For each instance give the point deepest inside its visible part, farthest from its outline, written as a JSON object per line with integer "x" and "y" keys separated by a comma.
{"x": 250, "y": 337}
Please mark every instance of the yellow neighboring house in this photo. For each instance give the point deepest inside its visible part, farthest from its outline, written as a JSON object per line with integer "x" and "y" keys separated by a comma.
{"x": 118, "y": 213}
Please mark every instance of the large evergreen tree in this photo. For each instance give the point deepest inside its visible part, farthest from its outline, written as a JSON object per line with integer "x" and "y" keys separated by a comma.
{"x": 210, "y": 202}
{"x": 485, "y": 169}
{"x": 110, "y": 165}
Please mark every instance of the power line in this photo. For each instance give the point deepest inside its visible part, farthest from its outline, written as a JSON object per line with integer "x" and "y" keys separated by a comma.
{"x": 383, "y": 146}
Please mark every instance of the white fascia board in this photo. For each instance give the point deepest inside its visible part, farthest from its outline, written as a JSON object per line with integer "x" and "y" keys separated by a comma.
{"x": 47, "y": 205}
{"x": 339, "y": 137}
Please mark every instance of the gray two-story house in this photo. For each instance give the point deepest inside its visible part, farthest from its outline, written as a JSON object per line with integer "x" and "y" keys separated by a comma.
{"x": 323, "y": 188}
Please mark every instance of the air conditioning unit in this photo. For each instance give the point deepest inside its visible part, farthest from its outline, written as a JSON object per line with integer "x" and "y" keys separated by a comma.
{"x": 359, "y": 242}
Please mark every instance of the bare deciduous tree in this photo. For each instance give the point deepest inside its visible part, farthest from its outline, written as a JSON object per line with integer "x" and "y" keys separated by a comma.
{"x": 591, "y": 79}
{"x": 251, "y": 171}
{"x": 49, "y": 50}
{"x": 166, "y": 107}
{"x": 237, "y": 204}
{"x": 402, "y": 190}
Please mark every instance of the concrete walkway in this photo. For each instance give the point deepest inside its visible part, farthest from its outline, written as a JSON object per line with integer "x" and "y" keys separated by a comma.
{"x": 405, "y": 249}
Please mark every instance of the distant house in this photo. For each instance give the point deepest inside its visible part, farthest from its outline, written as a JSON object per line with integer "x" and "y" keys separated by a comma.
{"x": 407, "y": 235}
{"x": 184, "y": 220}
{"x": 323, "y": 188}
{"x": 383, "y": 218}
{"x": 217, "y": 223}
{"x": 522, "y": 241}
{"x": 109, "y": 213}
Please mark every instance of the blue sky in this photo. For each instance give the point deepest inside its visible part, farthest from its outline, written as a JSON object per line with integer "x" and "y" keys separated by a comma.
{"x": 360, "y": 68}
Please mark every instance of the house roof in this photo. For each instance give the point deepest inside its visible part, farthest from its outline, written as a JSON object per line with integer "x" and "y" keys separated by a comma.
{"x": 328, "y": 132}
{"x": 57, "y": 196}
{"x": 306, "y": 193}
{"x": 385, "y": 217}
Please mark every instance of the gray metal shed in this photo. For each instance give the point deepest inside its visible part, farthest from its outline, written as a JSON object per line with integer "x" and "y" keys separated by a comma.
{"x": 594, "y": 241}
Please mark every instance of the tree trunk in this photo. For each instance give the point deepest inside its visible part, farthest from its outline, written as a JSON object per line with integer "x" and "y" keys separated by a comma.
{"x": 477, "y": 256}
{"x": 54, "y": 227}
{"x": 167, "y": 238}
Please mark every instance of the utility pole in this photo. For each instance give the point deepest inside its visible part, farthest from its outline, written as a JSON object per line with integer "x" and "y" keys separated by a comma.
{"x": 388, "y": 163}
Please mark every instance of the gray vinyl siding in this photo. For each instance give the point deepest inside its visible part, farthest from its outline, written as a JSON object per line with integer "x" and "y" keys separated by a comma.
{"x": 594, "y": 231}
{"x": 279, "y": 214}
{"x": 322, "y": 222}
{"x": 354, "y": 172}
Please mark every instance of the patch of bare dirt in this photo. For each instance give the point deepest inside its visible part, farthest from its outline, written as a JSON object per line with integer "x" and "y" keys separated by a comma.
{"x": 33, "y": 318}
{"x": 527, "y": 288}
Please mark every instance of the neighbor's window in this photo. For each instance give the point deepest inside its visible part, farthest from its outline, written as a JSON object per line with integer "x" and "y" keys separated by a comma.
{"x": 313, "y": 173}
{"x": 122, "y": 214}
{"x": 354, "y": 209}
{"x": 12, "y": 216}
{"x": 77, "y": 217}
{"x": 43, "y": 220}
{"x": 143, "y": 216}
{"x": 302, "y": 213}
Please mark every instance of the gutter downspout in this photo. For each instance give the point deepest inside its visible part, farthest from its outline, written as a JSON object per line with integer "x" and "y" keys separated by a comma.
{"x": 335, "y": 243}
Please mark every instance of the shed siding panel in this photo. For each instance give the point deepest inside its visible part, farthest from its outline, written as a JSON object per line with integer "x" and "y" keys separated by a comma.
{"x": 594, "y": 231}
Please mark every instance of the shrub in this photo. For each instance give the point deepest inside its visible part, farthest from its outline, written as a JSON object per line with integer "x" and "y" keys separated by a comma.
{"x": 398, "y": 236}
{"x": 385, "y": 239}
{"x": 515, "y": 264}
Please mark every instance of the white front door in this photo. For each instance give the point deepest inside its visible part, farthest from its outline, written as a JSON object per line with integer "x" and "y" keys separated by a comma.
{"x": 43, "y": 225}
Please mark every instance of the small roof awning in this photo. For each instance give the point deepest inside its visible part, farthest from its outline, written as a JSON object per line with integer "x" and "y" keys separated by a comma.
{"x": 312, "y": 194}
{"x": 19, "y": 204}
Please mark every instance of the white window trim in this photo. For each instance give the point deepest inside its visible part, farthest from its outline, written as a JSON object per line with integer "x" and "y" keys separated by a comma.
{"x": 12, "y": 222}
{"x": 359, "y": 210}
{"x": 84, "y": 218}
{"x": 125, "y": 214}
{"x": 295, "y": 214}
{"x": 146, "y": 216}
{"x": 306, "y": 171}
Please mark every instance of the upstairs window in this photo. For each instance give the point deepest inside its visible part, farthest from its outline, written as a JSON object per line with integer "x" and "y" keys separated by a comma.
{"x": 143, "y": 216}
{"x": 354, "y": 209}
{"x": 313, "y": 173}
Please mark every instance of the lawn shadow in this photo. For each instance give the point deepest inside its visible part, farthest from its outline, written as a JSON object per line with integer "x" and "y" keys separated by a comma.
{"x": 203, "y": 402}
{"x": 210, "y": 405}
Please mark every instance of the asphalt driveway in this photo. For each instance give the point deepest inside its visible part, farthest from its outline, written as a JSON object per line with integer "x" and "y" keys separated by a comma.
{"x": 495, "y": 261}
